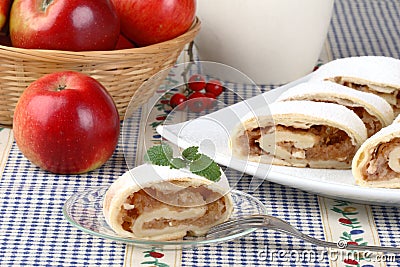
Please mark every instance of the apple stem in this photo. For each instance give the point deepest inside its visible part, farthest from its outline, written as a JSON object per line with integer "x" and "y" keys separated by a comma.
{"x": 61, "y": 87}
{"x": 45, "y": 4}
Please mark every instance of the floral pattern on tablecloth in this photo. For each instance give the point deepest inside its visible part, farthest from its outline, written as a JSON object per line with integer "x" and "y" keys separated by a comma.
{"x": 350, "y": 223}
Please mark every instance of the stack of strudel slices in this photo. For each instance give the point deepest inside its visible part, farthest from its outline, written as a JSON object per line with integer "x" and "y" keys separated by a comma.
{"x": 342, "y": 118}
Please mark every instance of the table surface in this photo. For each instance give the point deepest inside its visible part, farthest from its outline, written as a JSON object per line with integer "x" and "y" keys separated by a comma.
{"x": 33, "y": 231}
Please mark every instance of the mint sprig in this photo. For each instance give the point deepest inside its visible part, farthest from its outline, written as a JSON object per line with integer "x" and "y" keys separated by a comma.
{"x": 191, "y": 159}
{"x": 191, "y": 153}
{"x": 206, "y": 167}
{"x": 159, "y": 155}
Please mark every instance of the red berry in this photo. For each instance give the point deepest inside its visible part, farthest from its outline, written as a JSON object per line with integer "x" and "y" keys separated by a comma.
{"x": 210, "y": 95}
{"x": 156, "y": 255}
{"x": 352, "y": 243}
{"x": 211, "y": 100}
{"x": 215, "y": 87}
{"x": 345, "y": 221}
{"x": 350, "y": 261}
{"x": 197, "y": 102}
{"x": 177, "y": 100}
{"x": 196, "y": 82}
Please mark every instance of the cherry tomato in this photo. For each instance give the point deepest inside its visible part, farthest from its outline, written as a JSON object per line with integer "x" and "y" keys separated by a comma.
{"x": 197, "y": 102}
{"x": 215, "y": 87}
{"x": 196, "y": 82}
{"x": 177, "y": 100}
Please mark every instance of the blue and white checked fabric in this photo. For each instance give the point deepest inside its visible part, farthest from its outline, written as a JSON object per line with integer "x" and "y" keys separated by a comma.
{"x": 365, "y": 27}
{"x": 33, "y": 231}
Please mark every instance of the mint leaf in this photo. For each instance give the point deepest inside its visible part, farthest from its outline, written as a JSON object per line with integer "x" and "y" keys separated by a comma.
{"x": 191, "y": 153}
{"x": 159, "y": 155}
{"x": 197, "y": 163}
{"x": 177, "y": 163}
{"x": 206, "y": 167}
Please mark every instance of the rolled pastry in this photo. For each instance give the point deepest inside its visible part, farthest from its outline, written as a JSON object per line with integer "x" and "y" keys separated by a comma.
{"x": 373, "y": 110}
{"x": 376, "y": 74}
{"x": 397, "y": 119}
{"x": 377, "y": 162}
{"x": 300, "y": 134}
{"x": 168, "y": 204}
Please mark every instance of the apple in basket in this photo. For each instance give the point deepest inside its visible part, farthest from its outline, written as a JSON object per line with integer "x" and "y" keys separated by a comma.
{"x": 124, "y": 43}
{"x": 4, "y": 10}
{"x": 147, "y": 22}
{"x": 73, "y": 25}
{"x": 67, "y": 123}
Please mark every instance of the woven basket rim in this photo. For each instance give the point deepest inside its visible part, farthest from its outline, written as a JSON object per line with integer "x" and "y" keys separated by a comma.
{"x": 136, "y": 50}
{"x": 134, "y": 66}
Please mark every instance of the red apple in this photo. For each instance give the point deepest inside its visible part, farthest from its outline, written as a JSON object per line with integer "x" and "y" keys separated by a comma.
{"x": 4, "y": 10}
{"x": 147, "y": 22}
{"x": 123, "y": 43}
{"x": 74, "y": 25}
{"x": 67, "y": 123}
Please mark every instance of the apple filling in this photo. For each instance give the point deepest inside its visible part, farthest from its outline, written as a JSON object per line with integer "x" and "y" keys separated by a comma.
{"x": 385, "y": 162}
{"x": 151, "y": 211}
{"x": 391, "y": 95}
{"x": 306, "y": 147}
{"x": 372, "y": 124}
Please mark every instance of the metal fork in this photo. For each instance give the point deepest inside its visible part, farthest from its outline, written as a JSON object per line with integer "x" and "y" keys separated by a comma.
{"x": 269, "y": 222}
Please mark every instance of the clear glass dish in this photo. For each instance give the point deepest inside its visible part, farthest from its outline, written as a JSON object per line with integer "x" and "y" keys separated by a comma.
{"x": 84, "y": 210}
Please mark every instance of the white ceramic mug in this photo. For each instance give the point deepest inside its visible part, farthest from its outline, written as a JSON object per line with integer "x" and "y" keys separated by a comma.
{"x": 271, "y": 41}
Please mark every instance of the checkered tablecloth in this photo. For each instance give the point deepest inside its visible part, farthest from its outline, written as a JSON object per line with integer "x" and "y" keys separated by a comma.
{"x": 33, "y": 231}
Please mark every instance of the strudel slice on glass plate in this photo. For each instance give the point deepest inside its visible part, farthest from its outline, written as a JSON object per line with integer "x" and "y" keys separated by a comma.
{"x": 159, "y": 203}
{"x": 373, "y": 110}
{"x": 300, "y": 134}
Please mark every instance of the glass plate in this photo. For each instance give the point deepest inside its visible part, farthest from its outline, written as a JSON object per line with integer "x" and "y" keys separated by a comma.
{"x": 84, "y": 210}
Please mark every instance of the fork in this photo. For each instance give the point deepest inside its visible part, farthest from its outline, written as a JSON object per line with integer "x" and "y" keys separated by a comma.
{"x": 239, "y": 224}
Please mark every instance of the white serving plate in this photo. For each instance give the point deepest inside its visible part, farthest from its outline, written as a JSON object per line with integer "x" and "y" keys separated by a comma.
{"x": 212, "y": 132}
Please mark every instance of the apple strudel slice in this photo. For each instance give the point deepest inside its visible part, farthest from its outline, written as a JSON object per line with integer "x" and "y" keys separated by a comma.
{"x": 300, "y": 134}
{"x": 167, "y": 205}
{"x": 397, "y": 119}
{"x": 373, "y": 110}
{"x": 375, "y": 74}
{"x": 377, "y": 162}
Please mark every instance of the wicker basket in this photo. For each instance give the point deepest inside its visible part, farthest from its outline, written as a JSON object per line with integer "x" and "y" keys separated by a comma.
{"x": 122, "y": 72}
